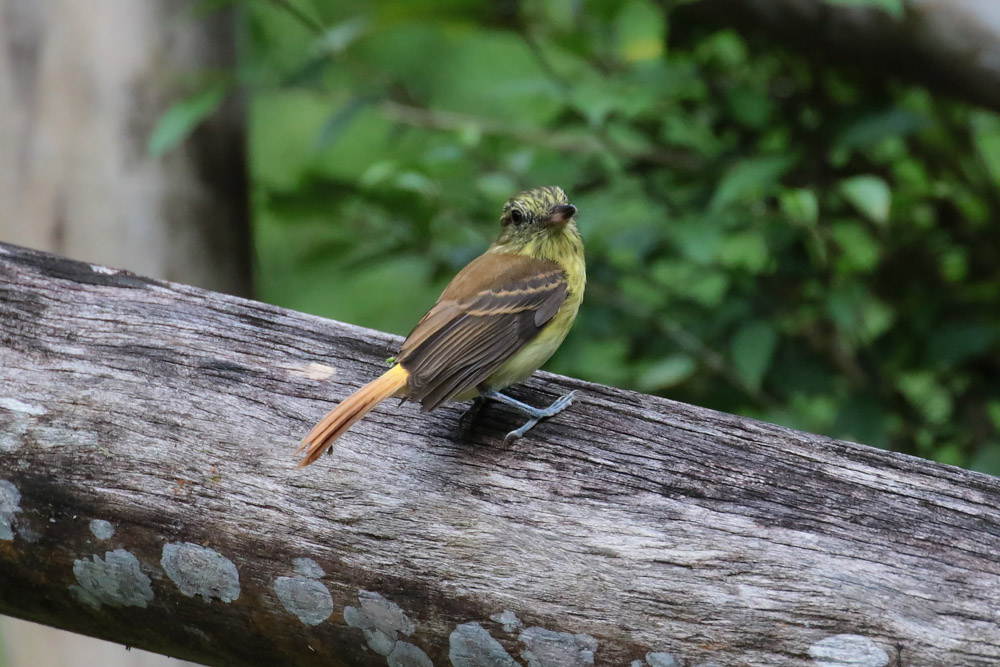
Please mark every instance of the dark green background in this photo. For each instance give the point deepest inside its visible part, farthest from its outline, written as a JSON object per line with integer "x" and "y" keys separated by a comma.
{"x": 767, "y": 233}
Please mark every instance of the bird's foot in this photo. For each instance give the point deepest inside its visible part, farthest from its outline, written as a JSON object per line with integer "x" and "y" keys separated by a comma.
{"x": 535, "y": 414}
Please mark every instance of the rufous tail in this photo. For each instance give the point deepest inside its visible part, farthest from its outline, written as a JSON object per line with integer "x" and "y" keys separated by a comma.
{"x": 350, "y": 410}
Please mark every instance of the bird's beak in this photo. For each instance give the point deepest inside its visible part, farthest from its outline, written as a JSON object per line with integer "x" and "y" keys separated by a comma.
{"x": 561, "y": 213}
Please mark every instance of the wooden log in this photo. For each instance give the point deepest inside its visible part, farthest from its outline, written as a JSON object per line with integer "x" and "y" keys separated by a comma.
{"x": 148, "y": 495}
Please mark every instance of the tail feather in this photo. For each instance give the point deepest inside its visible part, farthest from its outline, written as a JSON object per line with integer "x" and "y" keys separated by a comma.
{"x": 350, "y": 410}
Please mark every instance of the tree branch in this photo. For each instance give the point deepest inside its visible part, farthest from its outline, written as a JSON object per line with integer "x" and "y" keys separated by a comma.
{"x": 571, "y": 142}
{"x": 947, "y": 45}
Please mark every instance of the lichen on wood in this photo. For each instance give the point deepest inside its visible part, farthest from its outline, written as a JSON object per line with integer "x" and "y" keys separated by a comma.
{"x": 149, "y": 495}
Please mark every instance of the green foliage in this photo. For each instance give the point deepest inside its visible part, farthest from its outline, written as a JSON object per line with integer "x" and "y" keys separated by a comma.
{"x": 893, "y": 7}
{"x": 183, "y": 117}
{"x": 766, "y": 234}
{"x": 870, "y": 195}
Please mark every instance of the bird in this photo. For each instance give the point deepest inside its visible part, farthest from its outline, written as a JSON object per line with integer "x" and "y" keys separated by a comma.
{"x": 498, "y": 320}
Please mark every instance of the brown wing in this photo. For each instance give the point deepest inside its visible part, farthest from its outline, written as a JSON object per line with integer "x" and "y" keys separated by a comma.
{"x": 491, "y": 309}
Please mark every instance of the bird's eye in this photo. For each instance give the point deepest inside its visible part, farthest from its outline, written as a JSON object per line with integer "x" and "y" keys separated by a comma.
{"x": 516, "y": 216}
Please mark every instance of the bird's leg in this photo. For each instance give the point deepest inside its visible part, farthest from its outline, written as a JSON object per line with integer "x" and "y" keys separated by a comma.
{"x": 536, "y": 414}
{"x": 470, "y": 414}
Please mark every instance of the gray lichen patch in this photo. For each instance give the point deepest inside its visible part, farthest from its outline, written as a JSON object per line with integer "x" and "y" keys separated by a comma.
{"x": 115, "y": 580}
{"x": 306, "y": 598}
{"x": 12, "y": 431}
{"x": 848, "y": 651}
{"x": 379, "y": 641}
{"x": 405, "y": 654}
{"x": 547, "y": 648}
{"x": 10, "y": 504}
{"x": 101, "y": 529}
{"x": 660, "y": 659}
{"x": 380, "y": 620}
{"x": 508, "y": 620}
{"x": 16, "y": 419}
{"x": 198, "y": 570}
{"x": 307, "y": 567}
{"x": 470, "y": 645}
{"x": 386, "y": 615}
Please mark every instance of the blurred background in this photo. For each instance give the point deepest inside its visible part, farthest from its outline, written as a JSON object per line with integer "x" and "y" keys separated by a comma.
{"x": 789, "y": 206}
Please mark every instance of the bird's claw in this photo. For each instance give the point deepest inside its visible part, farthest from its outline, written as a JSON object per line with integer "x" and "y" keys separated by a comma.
{"x": 555, "y": 408}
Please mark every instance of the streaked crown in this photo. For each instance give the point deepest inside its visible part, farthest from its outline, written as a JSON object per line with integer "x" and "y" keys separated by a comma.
{"x": 534, "y": 205}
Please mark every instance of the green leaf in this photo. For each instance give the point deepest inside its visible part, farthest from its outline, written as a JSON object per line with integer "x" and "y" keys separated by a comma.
{"x": 697, "y": 239}
{"x": 336, "y": 39}
{"x": 859, "y": 315}
{"x": 725, "y": 47}
{"x": 950, "y": 453}
{"x": 986, "y": 134}
{"x": 340, "y": 120}
{"x": 751, "y": 107}
{"x": 640, "y": 27}
{"x": 666, "y": 373}
{"x": 859, "y": 249}
{"x": 750, "y": 179}
{"x": 181, "y": 119}
{"x": 927, "y": 396}
{"x": 870, "y": 195}
{"x": 752, "y": 349}
{"x": 414, "y": 181}
{"x": 800, "y": 205}
{"x": 691, "y": 132}
{"x": 744, "y": 250}
{"x": 953, "y": 343}
{"x": 987, "y": 459}
{"x": 993, "y": 410}
{"x": 378, "y": 173}
{"x": 870, "y": 129}
{"x": 816, "y": 410}
{"x": 710, "y": 289}
{"x": 705, "y": 285}
{"x": 954, "y": 264}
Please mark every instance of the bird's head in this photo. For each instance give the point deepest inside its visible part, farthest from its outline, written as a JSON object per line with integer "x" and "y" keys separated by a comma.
{"x": 537, "y": 210}
{"x": 539, "y": 223}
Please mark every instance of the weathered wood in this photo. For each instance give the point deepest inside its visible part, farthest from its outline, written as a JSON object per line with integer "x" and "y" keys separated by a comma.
{"x": 949, "y": 45}
{"x": 148, "y": 494}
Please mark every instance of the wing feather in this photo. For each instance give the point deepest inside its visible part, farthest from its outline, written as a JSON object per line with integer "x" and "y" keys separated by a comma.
{"x": 479, "y": 365}
{"x": 491, "y": 310}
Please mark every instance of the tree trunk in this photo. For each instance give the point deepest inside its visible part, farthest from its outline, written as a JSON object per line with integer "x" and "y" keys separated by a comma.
{"x": 948, "y": 45}
{"x": 81, "y": 88}
{"x": 149, "y": 495}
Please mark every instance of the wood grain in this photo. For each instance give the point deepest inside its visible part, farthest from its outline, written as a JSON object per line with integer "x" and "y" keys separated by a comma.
{"x": 629, "y": 528}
